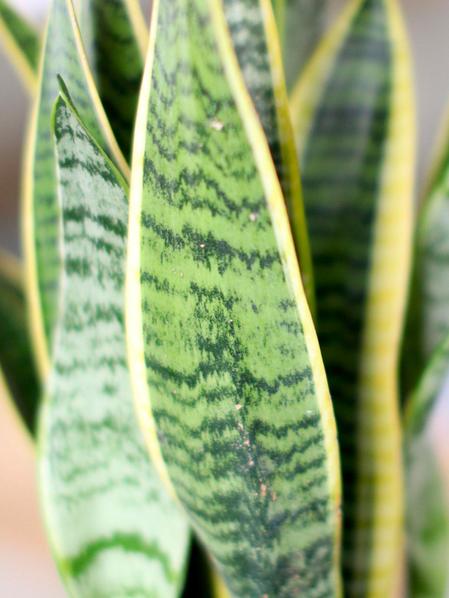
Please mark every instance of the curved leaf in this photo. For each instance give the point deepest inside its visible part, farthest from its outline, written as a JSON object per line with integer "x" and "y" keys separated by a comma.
{"x": 64, "y": 56}
{"x": 16, "y": 361}
{"x": 223, "y": 354}
{"x": 428, "y": 320}
{"x": 354, "y": 118}
{"x": 427, "y": 499}
{"x": 113, "y": 530}
{"x": 21, "y": 42}
{"x": 300, "y": 23}
{"x": 115, "y": 49}
{"x": 253, "y": 31}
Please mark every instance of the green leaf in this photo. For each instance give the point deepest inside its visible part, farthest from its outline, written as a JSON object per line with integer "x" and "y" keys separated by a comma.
{"x": 115, "y": 37}
{"x": 256, "y": 42}
{"x": 353, "y": 114}
{"x": 300, "y": 23}
{"x": 21, "y": 42}
{"x": 223, "y": 353}
{"x": 427, "y": 498}
{"x": 428, "y": 320}
{"x": 16, "y": 361}
{"x": 112, "y": 528}
{"x": 64, "y": 56}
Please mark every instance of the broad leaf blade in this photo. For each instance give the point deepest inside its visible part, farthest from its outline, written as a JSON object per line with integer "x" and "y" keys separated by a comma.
{"x": 221, "y": 345}
{"x": 253, "y": 31}
{"x": 22, "y": 43}
{"x": 113, "y": 530}
{"x": 300, "y": 23}
{"x": 63, "y": 56}
{"x": 115, "y": 49}
{"x": 354, "y": 117}
{"x": 427, "y": 498}
{"x": 16, "y": 361}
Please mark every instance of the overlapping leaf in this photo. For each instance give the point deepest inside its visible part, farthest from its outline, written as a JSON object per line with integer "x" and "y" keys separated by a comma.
{"x": 22, "y": 43}
{"x": 222, "y": 348}
{"x": 113, "y": 530}
{"x": 354, "y": 120}
{"x": 427, "y": 495}
{"x": 428, "y": 319}
{"x": 300, "y": 23}
{"x": 256, "y": 42}
{"x": 16, "y": 361}
{"x": 64, "y": 56}
{"x": 115, "y": 38}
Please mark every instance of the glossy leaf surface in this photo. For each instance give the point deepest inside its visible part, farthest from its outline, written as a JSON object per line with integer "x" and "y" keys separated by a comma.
{"x": 254, "y": 35}
{"x": 63, "y": 56}
{"x": 300, "y": 23}
{"x": 22, "y": 43}
{"x": 115, "y": 38}
{"x": 112, "y": 528}
{"x": 354, "y": 117}
{"x": 427, "y": 489}
{"x": 16, "y": 361}
{"x": 224, "y": 356}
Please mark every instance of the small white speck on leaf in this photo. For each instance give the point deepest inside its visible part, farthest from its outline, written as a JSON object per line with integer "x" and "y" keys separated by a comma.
{"x": 216, "y": 124}
{"x": 254, "y": 216}
{"x": 202, "y": 245}
{"x": 238, "y": 406}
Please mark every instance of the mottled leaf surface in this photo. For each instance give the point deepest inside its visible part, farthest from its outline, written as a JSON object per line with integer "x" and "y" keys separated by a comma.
{"x": 112, "y": 528}
{"x": 427, "y": 494}
{"x": 300, "y": 23}
{"x": 354, "y": 117}
{"x": 256, "y": 42}
{"x": 16, "y": 360}
{"x": 64, "y": 56}
{"x": 115, "y": 50}
{"x": 221, "y": 344}
{"x": 21, "y": 41}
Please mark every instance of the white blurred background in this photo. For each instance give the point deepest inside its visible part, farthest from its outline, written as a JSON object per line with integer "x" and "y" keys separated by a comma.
{"x": 26, "y": 570}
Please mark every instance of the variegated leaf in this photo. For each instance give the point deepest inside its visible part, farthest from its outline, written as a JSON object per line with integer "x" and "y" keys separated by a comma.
{"x": 64, "y": 56}
{"x": 222, "y": 349}
{"x": 112, "y": 528}
{"x": 354, "y": 117}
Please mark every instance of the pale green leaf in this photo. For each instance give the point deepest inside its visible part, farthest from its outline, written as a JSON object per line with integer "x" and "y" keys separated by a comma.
{"x": 112, "y": 528}
{"x": 223, "y": 354}
{"x": 64, "y": 56}
{"x": 354, "y": 118}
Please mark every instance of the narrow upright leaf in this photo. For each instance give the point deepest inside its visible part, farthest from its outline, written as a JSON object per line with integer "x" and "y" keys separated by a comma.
{"x": 113, "y": 530}
{"x": 300, "y": 23}
{"x": 64, "y": 56}
{"x": 16, "y": 361}
{"x": 256, "y": 42}
{"x": 427, "y": 494}
{"x": 428, "y": 317}
{"x": 21, "y": 42}
{"x": 115, "y": 46}
{"x": 223, "y": 354}
{"x": 354, "y": 117}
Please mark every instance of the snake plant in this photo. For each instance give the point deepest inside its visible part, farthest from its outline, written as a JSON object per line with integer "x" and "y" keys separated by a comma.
{"x": 211, "y": 340}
